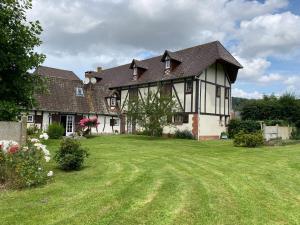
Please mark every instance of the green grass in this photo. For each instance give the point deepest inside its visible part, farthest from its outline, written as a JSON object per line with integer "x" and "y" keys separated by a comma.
{"x": 140, "y": 180}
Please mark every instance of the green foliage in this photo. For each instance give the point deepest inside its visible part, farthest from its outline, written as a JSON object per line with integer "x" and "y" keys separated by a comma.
{"x": 250, "y": 140}
{"x": 18, "y": 40}
{"x": 70, "y": 155}
{"x": 23, "y": 168}
{"x": 295, "y": 135}
{"x": 276, "y": 122}
{"x": 8, "y": 110}
{"x": 284, "y": 108}
{"x": 185, "y": 134}
{"x": 153, "y": 112}
{"x": 248, "y": 126}
{"x": 55, "y": 131}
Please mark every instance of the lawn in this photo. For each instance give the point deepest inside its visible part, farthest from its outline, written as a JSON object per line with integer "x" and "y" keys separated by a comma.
{"x": 140, "y": 180}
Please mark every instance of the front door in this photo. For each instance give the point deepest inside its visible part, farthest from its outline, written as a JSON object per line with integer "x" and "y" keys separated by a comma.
{"x": 69, "y": 125}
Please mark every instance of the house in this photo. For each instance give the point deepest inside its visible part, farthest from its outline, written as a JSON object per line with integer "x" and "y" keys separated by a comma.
{"x": 68, "y": 100}
{"x": 199, "y": 78}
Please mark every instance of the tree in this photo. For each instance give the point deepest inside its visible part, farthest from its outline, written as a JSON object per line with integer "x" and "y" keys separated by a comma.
{"x": 286, "y": 108}
{"x": 18, "y": 40}
{"x": 153, "y": 112}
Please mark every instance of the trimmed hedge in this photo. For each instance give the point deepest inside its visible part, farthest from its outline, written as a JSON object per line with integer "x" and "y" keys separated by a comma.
{"x": 185, "y": 134}
{"x": 250, "y": 140}
{"x": 248, "y": 126}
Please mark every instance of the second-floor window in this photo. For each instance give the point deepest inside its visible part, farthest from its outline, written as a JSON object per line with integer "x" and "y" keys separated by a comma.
{"x": 218, "y": 91}
{"x": 30, "y": 118}
{"x": 189, "y": 86}
{"x": 227, "y": 93}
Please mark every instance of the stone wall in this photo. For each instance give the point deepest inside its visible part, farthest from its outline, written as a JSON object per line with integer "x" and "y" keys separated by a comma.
{"x": 15, "y": 131}
{"x": 273, "y": 132}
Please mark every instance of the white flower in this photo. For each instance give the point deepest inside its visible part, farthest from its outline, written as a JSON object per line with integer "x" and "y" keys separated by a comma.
{"x": 50, "y": 173}
{"x": 34, "y": 140}
{"x": 39, "y": 168}
{"x": 47, "y": 158}
{"x": 44, "y": 136}
{"x": 25, "y": 148}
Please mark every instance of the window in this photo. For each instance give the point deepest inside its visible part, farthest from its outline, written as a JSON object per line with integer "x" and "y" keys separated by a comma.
{"x": 114, "y": 122}
{"x": 113, "y": 101}
{"x": 189, "y": 86}
{"x": 227, "y": 93}
{"x": 168, "y": 63}
{"x": 181, "y": 118}
{"x": 178, "y": 118}
{"x": 218, "y": 91}
{"x": 79, "y": 91}
{"x": 134, "y": 71}
{"x": 30, "y": 118}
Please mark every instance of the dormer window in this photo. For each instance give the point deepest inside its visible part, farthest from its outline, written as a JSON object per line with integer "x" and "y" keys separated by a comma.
{"x": 79, "y": 92}
{"x": 138, "y": 67}
{"x": 168, "y": 63}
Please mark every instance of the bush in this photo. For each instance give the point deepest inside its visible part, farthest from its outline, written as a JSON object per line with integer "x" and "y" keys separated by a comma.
{"x": 248, "y": 126}
{"x": 32, "y": 130}
{"x": 56, "y": 131}
{"x": 70, "y": 155}
{"x": 250, "y": 140}
{"x": 23, "y": 166}
{"x": 295, "y": 135}
{"x": 185, "y": 134}
{"x": 276, "y": 122}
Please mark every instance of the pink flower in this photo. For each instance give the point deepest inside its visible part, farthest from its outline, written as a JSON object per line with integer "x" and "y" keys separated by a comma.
{"x": 13, "y": 149}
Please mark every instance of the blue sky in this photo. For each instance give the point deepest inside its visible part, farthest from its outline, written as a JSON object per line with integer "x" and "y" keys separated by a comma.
{"x": 263, "y": 35}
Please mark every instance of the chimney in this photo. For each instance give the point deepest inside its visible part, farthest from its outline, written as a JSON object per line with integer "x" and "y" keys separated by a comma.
{"x": 99, "y": 69}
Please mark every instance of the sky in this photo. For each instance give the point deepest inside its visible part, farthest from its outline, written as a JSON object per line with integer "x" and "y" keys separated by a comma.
{"x": 264, "y": 36}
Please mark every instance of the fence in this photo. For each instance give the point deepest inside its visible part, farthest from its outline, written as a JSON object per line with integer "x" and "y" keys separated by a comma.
{"x": 273, "y": 132}
{"x": 15, "y": 131}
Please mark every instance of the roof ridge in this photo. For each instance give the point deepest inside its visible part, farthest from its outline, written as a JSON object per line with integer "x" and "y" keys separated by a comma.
{"x": 55, "y": 68}
{"x": 209, "y": 43}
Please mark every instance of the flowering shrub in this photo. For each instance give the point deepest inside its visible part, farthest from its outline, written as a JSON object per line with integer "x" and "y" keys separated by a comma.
{"x": 23, "y": 166}
{"x": 87, "y": 123}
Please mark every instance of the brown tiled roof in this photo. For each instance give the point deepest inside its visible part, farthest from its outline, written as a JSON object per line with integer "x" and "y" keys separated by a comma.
{"x": 172, "y": 55}
{"x": 193, "y": 61}
{"x": 61, "y": 97}
{"x": 54, "y": 72}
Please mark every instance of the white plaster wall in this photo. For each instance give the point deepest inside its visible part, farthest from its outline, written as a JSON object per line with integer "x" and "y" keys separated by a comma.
{"x": 210, "y": 125}
{"x": 194, "y": 96}
{"x": 123, "y": 98}
{"x": 211, "y": 71}
{"x": 220, "y": 75}
{"x": 210, "y": 98}
{"x": 180, "y": 92}
{"x": 202, "y": 94}
{"x": 188, "y": 102}
{"x": 144, "y": 92}
{"x": 222, "y": 100}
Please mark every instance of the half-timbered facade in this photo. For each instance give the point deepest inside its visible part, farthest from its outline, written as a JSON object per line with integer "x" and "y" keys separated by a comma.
{"x": 199, "y": 78}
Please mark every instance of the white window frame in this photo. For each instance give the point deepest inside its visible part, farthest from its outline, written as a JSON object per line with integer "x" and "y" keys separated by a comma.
{"x": 79, "y": 92}
{"x": 134, "y": 71}
{"x": 30, "y": 120}
{"x": 168, "y": 63}
{"x": 113, "y": 101}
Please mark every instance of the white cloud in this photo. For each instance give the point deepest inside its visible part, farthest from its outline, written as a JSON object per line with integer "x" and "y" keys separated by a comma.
{"x": 236, "y": 92}
{"x": 269, "y": 35}
{"x": 81, "y": 35}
